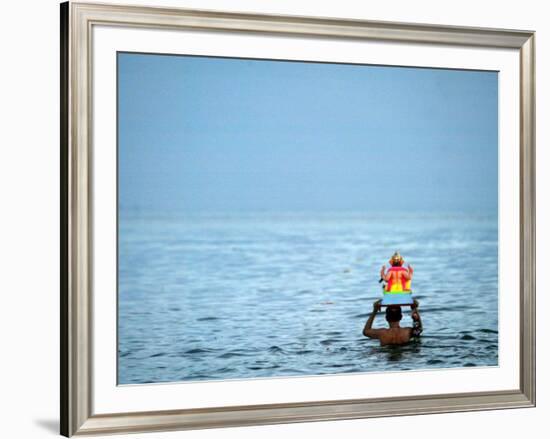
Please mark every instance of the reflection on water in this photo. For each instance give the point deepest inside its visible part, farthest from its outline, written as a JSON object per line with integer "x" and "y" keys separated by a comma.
{"x": 207, "y": 297}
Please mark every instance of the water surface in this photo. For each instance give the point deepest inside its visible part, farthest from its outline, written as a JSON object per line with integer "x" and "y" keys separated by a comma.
{"x": 239, "y": 296}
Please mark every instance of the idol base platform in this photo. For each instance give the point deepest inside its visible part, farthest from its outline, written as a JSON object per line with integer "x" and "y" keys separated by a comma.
{"x": 397, "y": 299}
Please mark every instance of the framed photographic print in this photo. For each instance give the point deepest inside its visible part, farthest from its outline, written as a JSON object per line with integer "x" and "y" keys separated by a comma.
{"x": 271, "y": 219}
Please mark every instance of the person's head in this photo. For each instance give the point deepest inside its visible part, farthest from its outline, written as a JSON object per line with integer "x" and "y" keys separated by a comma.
{"x": 393, "y": 314}
{"x": 396, "y": 260}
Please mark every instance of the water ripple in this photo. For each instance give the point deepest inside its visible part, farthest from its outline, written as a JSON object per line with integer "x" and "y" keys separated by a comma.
{"x": 235, "y": 296}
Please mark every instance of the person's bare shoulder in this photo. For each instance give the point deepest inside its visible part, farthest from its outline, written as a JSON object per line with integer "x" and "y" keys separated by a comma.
{"x": 392, "y": 337}
{"x": 382, "y": 334}
{"x": 400, "y": 337}
{"x": 375, "y": 333}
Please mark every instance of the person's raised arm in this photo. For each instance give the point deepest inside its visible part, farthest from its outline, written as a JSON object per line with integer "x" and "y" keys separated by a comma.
{"x": 417, "y": 321}
{"x": 367, "y": 330}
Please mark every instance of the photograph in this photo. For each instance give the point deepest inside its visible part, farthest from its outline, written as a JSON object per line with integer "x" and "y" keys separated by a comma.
{"x": 281, "y": 218}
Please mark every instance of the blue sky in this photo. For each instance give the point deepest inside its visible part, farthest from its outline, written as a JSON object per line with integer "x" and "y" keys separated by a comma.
{"x": 213, "y": 134}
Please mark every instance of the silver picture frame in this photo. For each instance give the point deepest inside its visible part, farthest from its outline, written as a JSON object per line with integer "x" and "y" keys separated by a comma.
{"x": 77, "y": 22}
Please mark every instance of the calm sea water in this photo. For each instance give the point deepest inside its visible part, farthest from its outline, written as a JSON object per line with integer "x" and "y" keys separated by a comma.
{"x": 211, "y": 297}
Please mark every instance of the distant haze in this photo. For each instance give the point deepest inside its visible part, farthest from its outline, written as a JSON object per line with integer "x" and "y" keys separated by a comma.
{"x": 212, "y": 134}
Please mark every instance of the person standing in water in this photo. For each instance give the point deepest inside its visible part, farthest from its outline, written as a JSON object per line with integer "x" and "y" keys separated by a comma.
{"x": 395, "y": 334}
{"x": 398, "y": 278}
